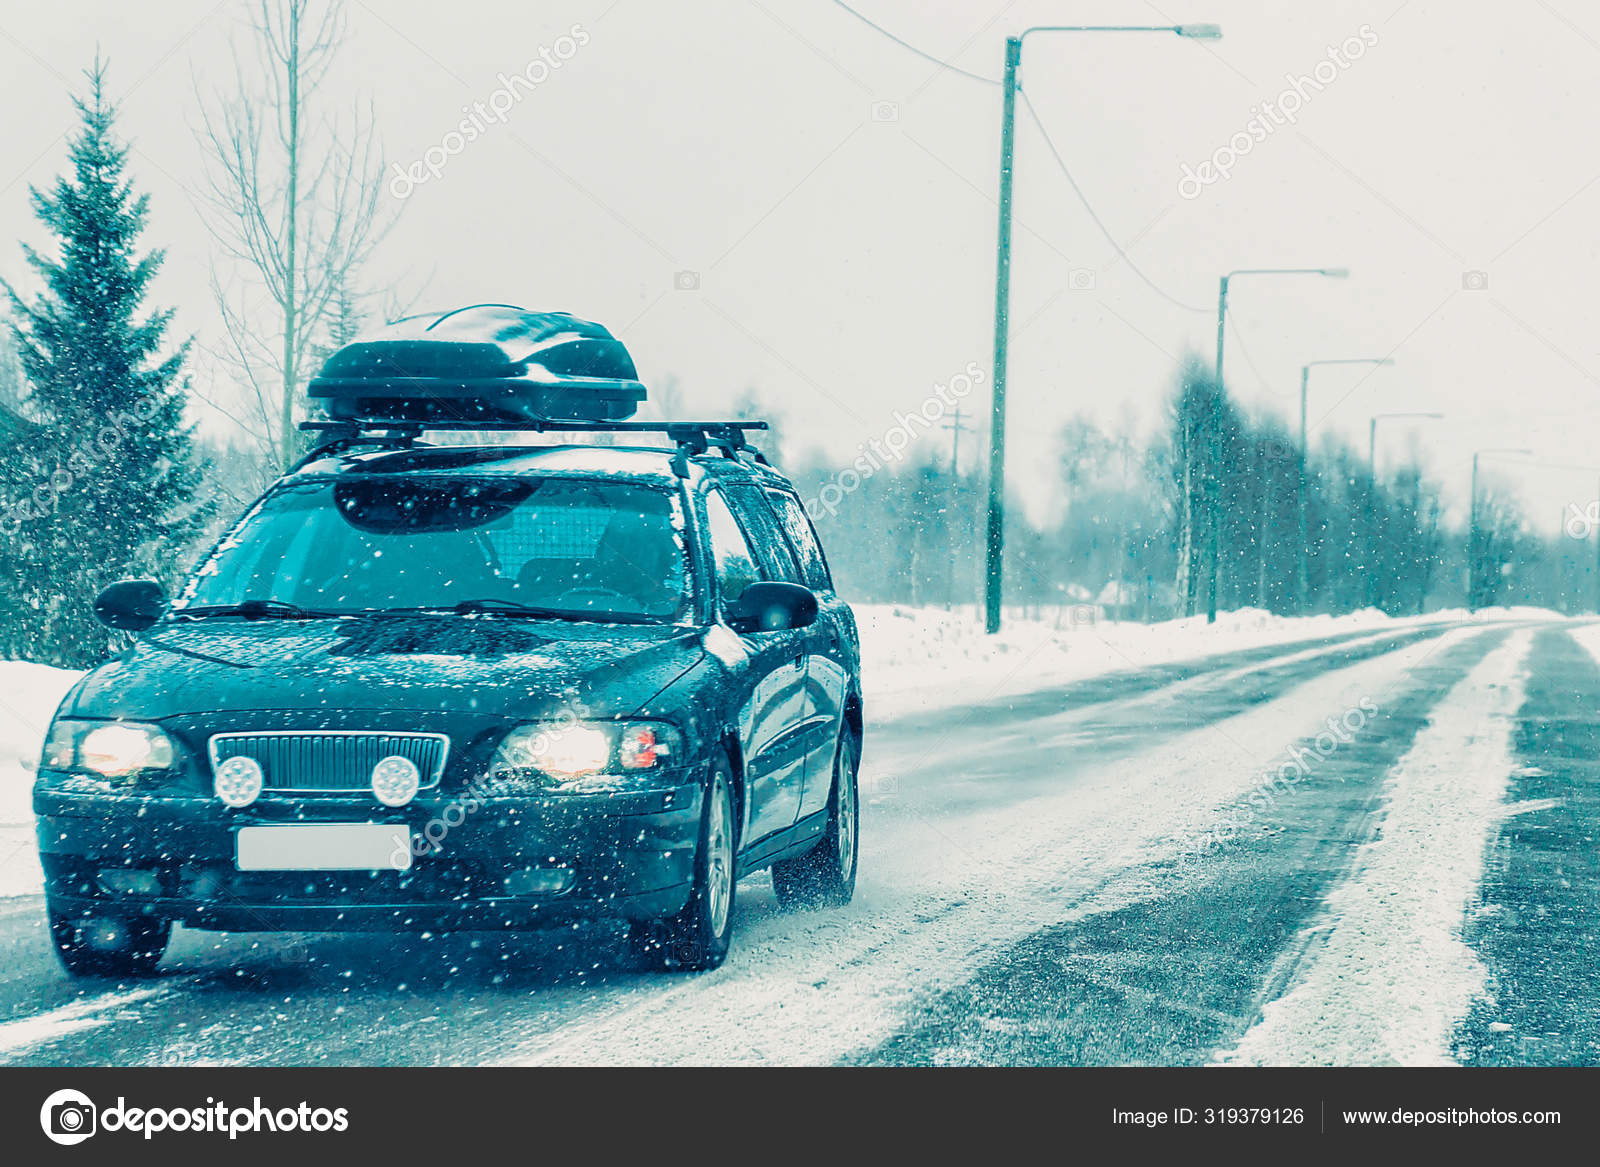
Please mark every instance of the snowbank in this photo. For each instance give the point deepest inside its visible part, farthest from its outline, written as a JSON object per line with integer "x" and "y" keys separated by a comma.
{"x": 925, "y": 658}
{"x": 29, "y": 695}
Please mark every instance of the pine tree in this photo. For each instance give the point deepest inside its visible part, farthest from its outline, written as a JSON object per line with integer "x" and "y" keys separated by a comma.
{"x": 104, "y": 488}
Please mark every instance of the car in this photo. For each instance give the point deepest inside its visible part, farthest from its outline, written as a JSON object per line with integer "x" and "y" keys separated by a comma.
{"x": 462, "y": 687}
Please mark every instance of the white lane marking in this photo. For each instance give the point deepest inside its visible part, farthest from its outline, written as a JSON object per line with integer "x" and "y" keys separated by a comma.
{"x": 940, "y": 894}
{"x": 26, "y": 1032}
{"x": 1394, "y": 976}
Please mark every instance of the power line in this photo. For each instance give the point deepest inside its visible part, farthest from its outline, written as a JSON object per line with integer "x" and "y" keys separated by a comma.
{"x": 929, "y": 57}
{"x": 1061, "y": 162}
{"x": 1244, "y": 351}
{"x": 1084, "y": 199}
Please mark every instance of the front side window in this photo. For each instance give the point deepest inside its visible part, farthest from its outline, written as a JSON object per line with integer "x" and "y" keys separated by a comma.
{"x": 803, "y": 538}
{"x": 569, "y": 546}
{"x": 772, "y": 550}
{"x": 735, "y": 561}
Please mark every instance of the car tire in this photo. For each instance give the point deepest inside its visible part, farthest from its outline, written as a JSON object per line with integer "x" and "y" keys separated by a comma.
{"x": 825, "y": 876}
{"x": 108, "y": 946}
{"x": 697, "y": 938}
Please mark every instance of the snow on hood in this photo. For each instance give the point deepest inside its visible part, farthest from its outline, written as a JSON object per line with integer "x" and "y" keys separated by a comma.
{"x": 484, "y": 664}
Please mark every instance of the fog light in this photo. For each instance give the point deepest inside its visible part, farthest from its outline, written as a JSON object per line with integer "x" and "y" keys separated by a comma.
{"x": 127, "y": 882}
{"x": 539, "y": 881}
{"x": 396, "y": 780}
{"x": 239, "y": 781}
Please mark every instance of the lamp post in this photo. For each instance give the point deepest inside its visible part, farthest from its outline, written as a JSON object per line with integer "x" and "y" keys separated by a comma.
{"x": 1213, "y": 509}
{"x": 1472, "y": 524}
{"x": 1302, "y": 571}
{"x": 995, "y": 535}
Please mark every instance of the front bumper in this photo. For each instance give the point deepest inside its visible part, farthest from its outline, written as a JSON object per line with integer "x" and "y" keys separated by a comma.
{"x": 628, "y": 855}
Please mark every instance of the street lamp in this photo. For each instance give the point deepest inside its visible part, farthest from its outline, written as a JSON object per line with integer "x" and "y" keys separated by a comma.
{"x": 1472, "y": 524}
{"x": 1302, "y": 584}
{"x": 995, "y": 535}
{"x": 1212, "y": 511}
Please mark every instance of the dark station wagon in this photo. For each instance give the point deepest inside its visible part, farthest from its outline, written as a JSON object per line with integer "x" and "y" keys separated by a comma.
{"x": 463, "y": 687}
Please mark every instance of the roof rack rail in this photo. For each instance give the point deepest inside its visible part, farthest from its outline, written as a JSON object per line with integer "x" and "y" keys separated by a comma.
{"x": 691, "y": 437}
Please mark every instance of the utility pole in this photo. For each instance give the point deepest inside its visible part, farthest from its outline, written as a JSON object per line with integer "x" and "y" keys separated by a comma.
{"x": 1261, "y": 528}
{"x": 995, "y": 535}
{"x": 1372, "y": 493}
{"x": 1302, "y": 585}
{"x": 1302, "y": 571}
{"x": 994, "y": 543}
{"x": 1214, "y": 475}
{"x": 1213, "y": 508}
{"x": 958, "y": 513}
{"x": 1473, "y": 539}
{"x": 955, "y": 427}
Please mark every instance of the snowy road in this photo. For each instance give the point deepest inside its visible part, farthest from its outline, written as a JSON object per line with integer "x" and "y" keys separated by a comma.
{"x": 1104, "y": 872}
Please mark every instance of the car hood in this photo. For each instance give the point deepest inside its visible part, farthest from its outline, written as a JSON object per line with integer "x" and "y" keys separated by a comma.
{"x": 480, "y": 664}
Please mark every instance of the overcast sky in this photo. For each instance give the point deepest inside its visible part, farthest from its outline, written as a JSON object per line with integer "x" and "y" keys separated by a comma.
{"x": 834, "y": 194}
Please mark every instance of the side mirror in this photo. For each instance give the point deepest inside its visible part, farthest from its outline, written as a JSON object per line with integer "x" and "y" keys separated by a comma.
{"x": 772, "y": 607}
{"x": 131, "y": 605}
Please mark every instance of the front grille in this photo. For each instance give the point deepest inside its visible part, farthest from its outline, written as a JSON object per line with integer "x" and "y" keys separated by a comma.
{"x": 330, "y": 760}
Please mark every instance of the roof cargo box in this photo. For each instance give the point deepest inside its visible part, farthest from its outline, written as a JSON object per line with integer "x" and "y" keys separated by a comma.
{"x": 487, "y": 362}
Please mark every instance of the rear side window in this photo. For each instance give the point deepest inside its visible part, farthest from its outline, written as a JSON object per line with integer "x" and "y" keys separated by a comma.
{"x": 803, "y": 538}
{"x": 771, "y": 548}
{"x": 735, "y": 561}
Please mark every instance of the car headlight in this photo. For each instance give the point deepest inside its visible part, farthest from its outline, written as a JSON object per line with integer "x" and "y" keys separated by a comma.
{"x": 562, "y": 752}
{"x": 107, "y": 749}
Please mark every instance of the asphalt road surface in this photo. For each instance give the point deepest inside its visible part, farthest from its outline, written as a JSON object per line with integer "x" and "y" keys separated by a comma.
{"x": 1364, "y": 849}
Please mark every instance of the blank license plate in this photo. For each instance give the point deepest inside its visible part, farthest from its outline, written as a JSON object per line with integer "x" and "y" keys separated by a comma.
{"x": 325, "y": 847}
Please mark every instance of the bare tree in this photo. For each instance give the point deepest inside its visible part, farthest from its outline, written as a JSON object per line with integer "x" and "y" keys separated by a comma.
{"x": 296, "y": 200}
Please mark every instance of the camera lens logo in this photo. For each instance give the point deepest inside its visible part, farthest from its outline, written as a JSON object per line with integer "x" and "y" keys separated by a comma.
{"x": 68, "y": 1117}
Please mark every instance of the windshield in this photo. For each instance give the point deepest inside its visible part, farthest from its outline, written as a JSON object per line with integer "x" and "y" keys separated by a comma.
{"x": 565, "y": 547}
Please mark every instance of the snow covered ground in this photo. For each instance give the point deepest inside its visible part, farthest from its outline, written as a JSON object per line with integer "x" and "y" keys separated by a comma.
{"x": 923, "y": 658}
{"x": 29, "y": 694}
{"x": 1393, "y": 977}
{"x": 912, "y": 659}
{"x": 1042, "y": 880}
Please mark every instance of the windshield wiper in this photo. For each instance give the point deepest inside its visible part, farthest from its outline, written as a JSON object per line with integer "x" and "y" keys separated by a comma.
{"x": 254, "y": 610}
{"x": 500, "y": 607}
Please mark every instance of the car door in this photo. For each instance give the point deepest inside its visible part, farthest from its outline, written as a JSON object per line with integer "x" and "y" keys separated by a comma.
{"x": 771, "y": 718}
{"x": 831, "y": 660}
